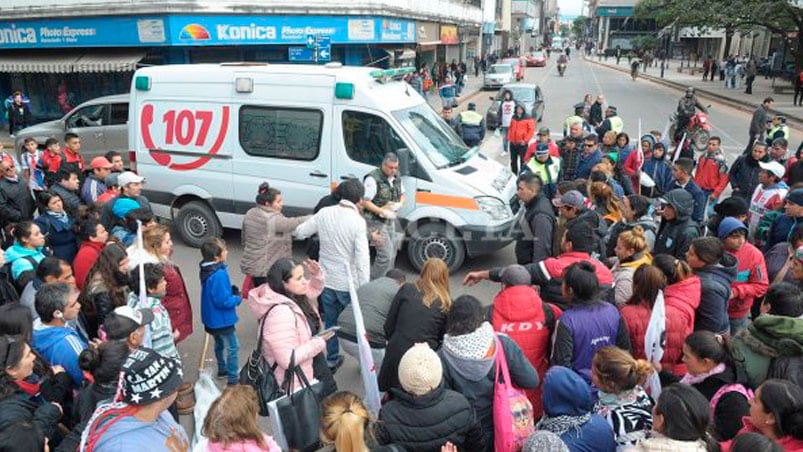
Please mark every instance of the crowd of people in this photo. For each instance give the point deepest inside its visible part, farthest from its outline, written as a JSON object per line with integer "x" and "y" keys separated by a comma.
{"x": 645, "y": 311}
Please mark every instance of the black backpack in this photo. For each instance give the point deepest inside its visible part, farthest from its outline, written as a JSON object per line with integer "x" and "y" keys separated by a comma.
{"x": 19, "y": 285}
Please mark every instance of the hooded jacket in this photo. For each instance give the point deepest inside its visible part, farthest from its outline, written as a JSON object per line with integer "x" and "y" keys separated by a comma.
{"x": 285, "y": 330}
{"x": 20, "y": 259}
{"x": 716, "y": 281}
{"x": 772, "y": 347}
{"x": 659, "y": 170}
{"x": 475, "y": 378}
{"x": 566, "y": 394}
{"x": 781, "y": 230}
{"x": 18, "y": 407}
{"x": 88, "y": 254}
{"x": 675, "y": 236}
{"x": 711, "y": 174}
{"x": 751, "y": 281}
{"x": 59, "y": 345}
{"x": 218, "y": 300}
{"x": 680, "y": 300}
{"x": 744, "y": 176}
{"x": 427, "y": 422}
{"x": 522, "y": 128}
{"x": 129, "y": 433}
{"x": 16, "y": 202}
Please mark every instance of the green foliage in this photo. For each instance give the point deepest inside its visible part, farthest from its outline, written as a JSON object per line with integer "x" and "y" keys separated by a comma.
{"x": 579, "y": 26}
{"x": 645, "y": 42}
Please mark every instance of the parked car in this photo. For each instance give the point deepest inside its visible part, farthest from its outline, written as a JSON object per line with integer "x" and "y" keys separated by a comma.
{"x": 528, "y": 94}
{"x": 498, "y": 75}
{"x": 518, "y": 67}
{"x": 536, "y": 59}
{"x": 101, "y": 123}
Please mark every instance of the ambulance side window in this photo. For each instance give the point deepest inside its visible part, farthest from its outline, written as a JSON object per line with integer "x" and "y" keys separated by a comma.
{"x": 368, "y": 137}
{"x": 286, "y": 133}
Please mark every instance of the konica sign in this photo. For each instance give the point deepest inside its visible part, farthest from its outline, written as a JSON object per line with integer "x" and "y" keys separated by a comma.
{"x": 201, "y": 31}
{"x": 228, "y": 30}
{"x": 95, "y": 32}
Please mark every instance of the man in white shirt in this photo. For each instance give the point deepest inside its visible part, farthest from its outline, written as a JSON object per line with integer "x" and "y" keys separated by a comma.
{"x": 343, "y": 242}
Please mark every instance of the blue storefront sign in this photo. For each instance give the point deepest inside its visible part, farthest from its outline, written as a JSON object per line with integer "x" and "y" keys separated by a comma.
{"x": 300, "y": 54}
{"x": 256, "y": 30}
{"x": 94, "y": 32}
{"x": 201, "y": 31}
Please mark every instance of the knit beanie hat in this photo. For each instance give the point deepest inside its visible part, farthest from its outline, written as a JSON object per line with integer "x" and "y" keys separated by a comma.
{"x": 544, "y": 441}
{"x": 420, "y": 370}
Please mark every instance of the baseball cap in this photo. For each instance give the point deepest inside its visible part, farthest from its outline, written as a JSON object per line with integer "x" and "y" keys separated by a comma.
{"x": 543, "y": 131}
{"x": 124, "y": 205}
{"x": 728, "y": 226}
{"x": 795, "y": 196}
{"x": 571, "y": 198}
{"x": 773, "y": 167}
{"x": 472, "y": 106}
{"x": 541, "y": 149}
{"x": 100, "y": 162}
{"x": 149, "y": 377}
{"x": 124, "y": 320}
{"x": 128, "y": 177}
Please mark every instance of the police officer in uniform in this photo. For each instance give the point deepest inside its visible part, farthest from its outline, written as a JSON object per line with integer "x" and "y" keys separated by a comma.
{"x": 612, "y": 122}
{"x": 779, "y": 129}
{"x": 471, "y": 126}
{"x": 383, "y": 198}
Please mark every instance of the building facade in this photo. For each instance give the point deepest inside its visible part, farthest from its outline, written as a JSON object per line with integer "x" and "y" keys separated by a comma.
{"x": 61, "y": 54}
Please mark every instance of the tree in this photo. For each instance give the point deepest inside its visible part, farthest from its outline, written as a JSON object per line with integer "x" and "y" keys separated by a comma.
{"x": 781, "y": 17}
{"x": 579, "y": 26}
{"x": 564, "y": 30}
{"x": 642, "y": 43}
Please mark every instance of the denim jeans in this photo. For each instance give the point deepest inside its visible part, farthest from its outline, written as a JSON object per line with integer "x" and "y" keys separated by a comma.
{"x": 333, "y": 302}
{"x": 229, "y": 365}
{"x": 505, "y": 143}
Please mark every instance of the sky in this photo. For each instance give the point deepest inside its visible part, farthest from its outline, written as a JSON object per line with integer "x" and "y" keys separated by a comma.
{"x": 570, "y": 7}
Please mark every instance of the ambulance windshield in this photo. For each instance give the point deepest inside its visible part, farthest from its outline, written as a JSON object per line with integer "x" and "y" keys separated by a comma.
{"x": 434, "y": 136}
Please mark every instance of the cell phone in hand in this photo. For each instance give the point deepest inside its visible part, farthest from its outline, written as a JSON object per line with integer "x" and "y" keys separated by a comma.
{"x": 333, "y": 329}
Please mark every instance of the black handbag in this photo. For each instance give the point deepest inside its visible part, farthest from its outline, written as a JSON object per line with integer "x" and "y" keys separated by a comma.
{"x": 258, "y": 373}
{"x": 300, "y": 411}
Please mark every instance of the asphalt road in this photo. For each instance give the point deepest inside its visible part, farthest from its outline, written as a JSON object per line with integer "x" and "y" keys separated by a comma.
{"x": 640, "y": 99}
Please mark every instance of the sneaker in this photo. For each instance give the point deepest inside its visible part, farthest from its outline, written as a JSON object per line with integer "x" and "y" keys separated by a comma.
{"x": 503, "y": 153}
{"x": 336, "y": 366}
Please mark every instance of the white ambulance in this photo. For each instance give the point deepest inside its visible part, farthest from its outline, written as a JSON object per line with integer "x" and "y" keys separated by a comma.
{"x": 205, "y": 136}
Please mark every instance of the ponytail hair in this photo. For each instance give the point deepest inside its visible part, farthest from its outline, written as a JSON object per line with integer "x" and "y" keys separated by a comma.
{"x": 716, "y": 347}
{"x": 634, "y": 239}
{"x": 648, "y": 280}
{"x": 687, "y": 415}
{"x": 674, "y": 269}
{"x": 618, "y": 371}
{"x": 784, "y": 400}
{"x": 709, "y": 249}
{"x": 266, "y": 194}
{"x": 345, "y": 422}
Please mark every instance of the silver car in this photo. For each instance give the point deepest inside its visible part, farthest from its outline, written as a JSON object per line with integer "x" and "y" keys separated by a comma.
{"x": 101, "y": 123}
{"x": 527, "y": 94}
{"x": 498, "y": 75}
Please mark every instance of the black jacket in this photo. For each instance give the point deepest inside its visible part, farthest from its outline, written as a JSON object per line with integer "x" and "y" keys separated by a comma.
{"x": 409, "y": 321}
{"x": 19, "y": 407}
{"x": 595, "y": 114}
{"x": 16, "y": 202}
{"x": 715, "y": 290}
{"x": 675, "y": 237}
{"x": 744, "y": 176}
{"x": 535, "y": 228}
{"x": 426, "y": 423}
{"x": 71, "y": 199}
{"x": 730, "y": 409}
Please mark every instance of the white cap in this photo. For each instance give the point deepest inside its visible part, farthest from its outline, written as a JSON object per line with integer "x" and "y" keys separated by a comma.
{"x": 128, "y": 178}
{"x": 773, "y": 167}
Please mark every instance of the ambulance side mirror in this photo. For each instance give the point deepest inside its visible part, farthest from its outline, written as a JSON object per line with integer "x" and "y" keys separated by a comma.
{"x": 406, "y": 161}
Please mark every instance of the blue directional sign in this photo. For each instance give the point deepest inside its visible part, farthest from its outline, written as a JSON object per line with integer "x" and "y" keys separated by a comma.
{"x": 324, "y": 54}
{"x": 300, "y": 54}
{"x": 311, "y": 41}
{"x": 324, "y": 41}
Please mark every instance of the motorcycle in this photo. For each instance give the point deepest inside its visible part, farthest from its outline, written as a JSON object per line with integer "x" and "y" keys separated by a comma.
{"x": 698, "y": 131}
{"x": 561, "y": 68}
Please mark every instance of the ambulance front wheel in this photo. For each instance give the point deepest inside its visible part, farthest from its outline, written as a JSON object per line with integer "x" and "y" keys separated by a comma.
{"x": 436, "y": 240}
{"x": 196, "y": 223}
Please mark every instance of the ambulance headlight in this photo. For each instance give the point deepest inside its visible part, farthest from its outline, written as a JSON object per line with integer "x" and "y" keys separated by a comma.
{"x": 493, "y": 207}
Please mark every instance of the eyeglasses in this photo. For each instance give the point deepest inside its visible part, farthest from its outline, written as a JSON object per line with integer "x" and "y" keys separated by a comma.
{"x": 591, "y": 145}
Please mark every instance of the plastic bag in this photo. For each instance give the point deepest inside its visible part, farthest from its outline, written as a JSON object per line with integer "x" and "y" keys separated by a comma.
{"x": 206, "y": 392}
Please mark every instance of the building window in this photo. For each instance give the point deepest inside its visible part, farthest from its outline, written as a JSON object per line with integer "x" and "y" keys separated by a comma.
{"x": 368, "y": 137}
{"x": 287, "y": 133}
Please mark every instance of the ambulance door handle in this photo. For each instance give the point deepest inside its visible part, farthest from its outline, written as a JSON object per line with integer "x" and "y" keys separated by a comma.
{"x": 98, "y": 134}
{"x": 317, "y": 173}
{"x": 348, "y": 176}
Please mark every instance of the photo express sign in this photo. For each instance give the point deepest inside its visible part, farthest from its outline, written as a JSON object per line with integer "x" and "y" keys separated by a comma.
{"x": 201, "y": 31}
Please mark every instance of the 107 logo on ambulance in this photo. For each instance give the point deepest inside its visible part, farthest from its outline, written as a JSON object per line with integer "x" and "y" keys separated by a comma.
{"x": 183, "y": 132}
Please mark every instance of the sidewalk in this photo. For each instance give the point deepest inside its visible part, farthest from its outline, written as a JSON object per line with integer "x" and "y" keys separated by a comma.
{"x": 715, "y": 89}
{"x": 472, "y": 86}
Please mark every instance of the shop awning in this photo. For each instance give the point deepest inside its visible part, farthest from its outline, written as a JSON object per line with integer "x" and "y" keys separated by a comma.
{"x": 61, "y": 62}
{"x": 109, "y": 62}
{"x": 54, "y": 63}
{"x": 429, "y": 43}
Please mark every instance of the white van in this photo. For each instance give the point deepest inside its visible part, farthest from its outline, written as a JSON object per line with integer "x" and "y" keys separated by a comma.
{"x": 205, "y": 136}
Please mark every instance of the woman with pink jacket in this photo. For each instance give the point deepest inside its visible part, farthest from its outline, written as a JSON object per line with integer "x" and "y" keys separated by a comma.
{"x": 292, "y": 323}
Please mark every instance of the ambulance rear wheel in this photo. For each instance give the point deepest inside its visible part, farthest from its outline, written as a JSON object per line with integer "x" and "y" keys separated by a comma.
{"x": 436, "y": 240}
{"x": 196, "y": 223}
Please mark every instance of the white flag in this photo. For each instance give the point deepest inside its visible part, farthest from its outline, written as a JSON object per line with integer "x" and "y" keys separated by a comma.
{"x": 654, "y": 342}
{"x": 143, "y": 291}
{"x": 373, "y": 400}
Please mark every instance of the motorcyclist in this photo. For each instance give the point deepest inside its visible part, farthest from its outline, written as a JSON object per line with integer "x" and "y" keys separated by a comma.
{"x": 687, "y": 106}
{"x": 562, "y": 59}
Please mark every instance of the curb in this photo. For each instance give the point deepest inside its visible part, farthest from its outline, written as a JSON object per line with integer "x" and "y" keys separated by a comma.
{"x": 745, "y": 106}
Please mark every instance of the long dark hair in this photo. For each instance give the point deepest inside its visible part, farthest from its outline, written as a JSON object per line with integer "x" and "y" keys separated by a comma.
{"x": 784, "y": 400}
{"x": 266, "y": 195}
{"x": 107, "y": 269}
{"x": 716, "y": 347}
{"x": 279, "y": 273}
{"x": 12, "y": 350}
{"x": 581, "y": 280}
{"x": 648, "y": 280}
{"x": 44, "y": 197}
{"x": 686, "y": 414}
